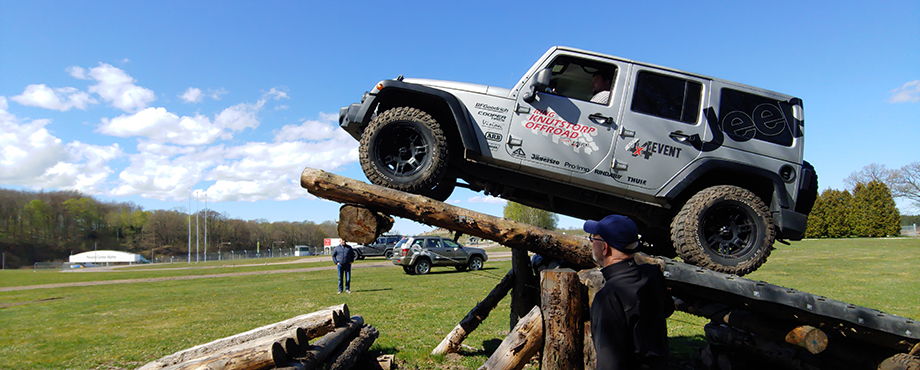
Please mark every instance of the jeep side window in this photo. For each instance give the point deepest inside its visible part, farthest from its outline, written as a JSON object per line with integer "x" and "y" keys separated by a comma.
{"x": 450, "y": 244}
{"x": 432, "y": 243}
{"x": 667, "y": 97}
{"x": 745, "y": 116}
{"x": 582, "y": 79}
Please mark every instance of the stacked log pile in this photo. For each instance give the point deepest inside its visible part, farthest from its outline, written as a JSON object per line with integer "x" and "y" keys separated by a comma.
{"x": 342, "y": 342}
{"x": 752, "y": 323}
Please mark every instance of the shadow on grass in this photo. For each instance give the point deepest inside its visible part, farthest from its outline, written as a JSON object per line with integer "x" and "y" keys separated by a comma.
{"x": 448, "y": 270}
{"x": 370, "y": 290}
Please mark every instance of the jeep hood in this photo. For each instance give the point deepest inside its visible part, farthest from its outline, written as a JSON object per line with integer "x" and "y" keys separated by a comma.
{"x": 452, "y": 85}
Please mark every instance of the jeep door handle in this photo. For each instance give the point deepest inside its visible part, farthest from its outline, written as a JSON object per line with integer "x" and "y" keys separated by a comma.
{"x": 601, "y": 119}
{"x": 682, "y": 137}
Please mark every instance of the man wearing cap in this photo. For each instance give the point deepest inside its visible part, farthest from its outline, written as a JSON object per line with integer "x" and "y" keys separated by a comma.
{"x": 628, "y": 315}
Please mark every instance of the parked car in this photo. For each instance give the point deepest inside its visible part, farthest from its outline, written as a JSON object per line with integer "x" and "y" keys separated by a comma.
{"x": 382, "y": 247}
{"x": 418, "y": 254}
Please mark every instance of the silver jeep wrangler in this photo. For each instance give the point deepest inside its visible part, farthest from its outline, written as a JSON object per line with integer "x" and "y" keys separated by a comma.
{"x": 709, "y": 169}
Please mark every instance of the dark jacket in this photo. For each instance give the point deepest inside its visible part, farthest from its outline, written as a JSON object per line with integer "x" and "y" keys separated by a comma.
{"x": 628, "y": 318}
{"x": 343, "y": 254}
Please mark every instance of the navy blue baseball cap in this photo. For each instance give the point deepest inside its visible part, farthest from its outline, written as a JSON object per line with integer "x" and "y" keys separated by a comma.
{"x": 618, "y": 231}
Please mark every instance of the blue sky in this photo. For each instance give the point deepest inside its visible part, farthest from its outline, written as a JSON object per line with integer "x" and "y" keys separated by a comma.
{"x": 141, "y": 101}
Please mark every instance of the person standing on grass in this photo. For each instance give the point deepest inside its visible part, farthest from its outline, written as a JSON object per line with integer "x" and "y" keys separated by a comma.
{"x": 629, "y": 314}
{"x": 343, "y": 255}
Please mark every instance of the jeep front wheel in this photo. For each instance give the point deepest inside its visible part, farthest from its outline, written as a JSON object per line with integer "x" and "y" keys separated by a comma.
{"x": 724, "y": 228}
{"x": 405, "y": 149}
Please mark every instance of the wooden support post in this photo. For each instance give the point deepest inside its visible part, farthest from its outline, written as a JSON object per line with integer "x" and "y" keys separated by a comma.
{"x": 314, "y": 324}
{"x": 561, "y": 304}
{"x": 525, "y": 294}
{"x": 509, "y": 233}
{"x": 347, "y": 357}
{"x": 520, "y": 345}
{"x": 451, "y": 343}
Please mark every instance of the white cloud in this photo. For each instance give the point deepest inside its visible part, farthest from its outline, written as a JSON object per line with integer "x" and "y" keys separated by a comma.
{"x": 908, "y": 93}
{"x": 159, "y": 125}
{"x": 217, "y": 94}
{"x": 118, "y": 88}
{"x": 249, "y": 172}
{"x": 77, "y": 72}
{"x": 486, "y": 199}
{"x": 60, "y": 99}
{"x": 192, "y": 95}
{"x": 31, "y": 156}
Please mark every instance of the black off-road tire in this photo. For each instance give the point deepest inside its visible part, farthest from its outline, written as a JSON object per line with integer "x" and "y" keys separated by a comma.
{"x": 405, "y": 149}
{"x": 421, "y": 267}
{"x": 409, "y": 270}
{"x": 388, "y": 254}
{"x": 724, "y": 228}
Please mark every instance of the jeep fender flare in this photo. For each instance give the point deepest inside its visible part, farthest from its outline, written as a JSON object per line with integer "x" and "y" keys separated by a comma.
{"x": 392, "y": 93}
{"x": 695, "y": 181}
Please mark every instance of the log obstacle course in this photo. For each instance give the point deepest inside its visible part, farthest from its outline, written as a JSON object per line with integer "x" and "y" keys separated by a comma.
{"x": 342, "y": 342}
{"x": 751, "y": 322}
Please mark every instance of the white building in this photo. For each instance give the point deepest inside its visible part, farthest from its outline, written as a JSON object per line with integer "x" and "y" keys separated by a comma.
{"x": 107, "y": 257}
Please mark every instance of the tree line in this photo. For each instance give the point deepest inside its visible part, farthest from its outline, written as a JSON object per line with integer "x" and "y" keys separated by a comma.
{"x": 51, "y": 225}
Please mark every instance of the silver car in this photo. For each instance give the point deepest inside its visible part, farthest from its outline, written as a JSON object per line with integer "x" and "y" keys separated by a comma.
{"x": 417, "y": 255}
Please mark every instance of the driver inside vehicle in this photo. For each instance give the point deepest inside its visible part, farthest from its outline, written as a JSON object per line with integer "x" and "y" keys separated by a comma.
{"x": 600, "y": 85}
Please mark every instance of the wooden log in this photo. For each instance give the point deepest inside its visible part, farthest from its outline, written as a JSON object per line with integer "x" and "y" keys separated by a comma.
{"x": 520, "y": 345}
{"x": 561, "y": 304}
{"x": 348, "y": 356}
{"x": 453, "y": 340}
{"x": 525, "y": 294}
{"x": 315, "y": 324}
{"x": 324, "y": 347}
{"x": 808, "y": 337}
{"x": 361, "y": 225}
{"x": 259, "y": 354}
{"x": 512, "y": 234}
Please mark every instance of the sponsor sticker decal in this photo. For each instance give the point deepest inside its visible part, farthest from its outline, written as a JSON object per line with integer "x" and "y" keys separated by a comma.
{"x": 649, "y": 148}
{"x": 546, "y": 123}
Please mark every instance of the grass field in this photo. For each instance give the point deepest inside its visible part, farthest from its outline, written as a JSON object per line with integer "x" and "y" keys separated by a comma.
{"x": 122, "y": 326}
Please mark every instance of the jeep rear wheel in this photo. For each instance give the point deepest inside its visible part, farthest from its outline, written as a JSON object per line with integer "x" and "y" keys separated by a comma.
{"x": 421, "y": 267}
{"x": 724, "y": 228}
{"x": 405, "y": 149}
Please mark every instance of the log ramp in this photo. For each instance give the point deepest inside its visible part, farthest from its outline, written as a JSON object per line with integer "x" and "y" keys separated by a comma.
{"x": 752, "y": 324}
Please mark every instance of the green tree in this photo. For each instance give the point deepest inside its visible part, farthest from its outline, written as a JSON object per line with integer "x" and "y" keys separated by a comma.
{"x": 874, "y": 213}
{"x": 38, "y": 216}
{"x": 531, "y": 216}
{"x": 829, "y": 217}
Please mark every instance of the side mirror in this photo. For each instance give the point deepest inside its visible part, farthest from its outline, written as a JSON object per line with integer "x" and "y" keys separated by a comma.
{"x": 539, "y": 82}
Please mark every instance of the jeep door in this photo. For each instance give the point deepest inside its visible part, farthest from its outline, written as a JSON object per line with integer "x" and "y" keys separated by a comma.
{"x": 439, "y": 254}
{"x": 662, "y": 119}
{"x": 562, "y": 131}
{"x": 458, "y": 254}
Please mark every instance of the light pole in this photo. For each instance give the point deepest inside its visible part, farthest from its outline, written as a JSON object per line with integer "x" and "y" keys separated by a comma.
{"x": 197, "y": 211}
{"x": 189, "y": 225}
{"x": 206, "y": 227}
